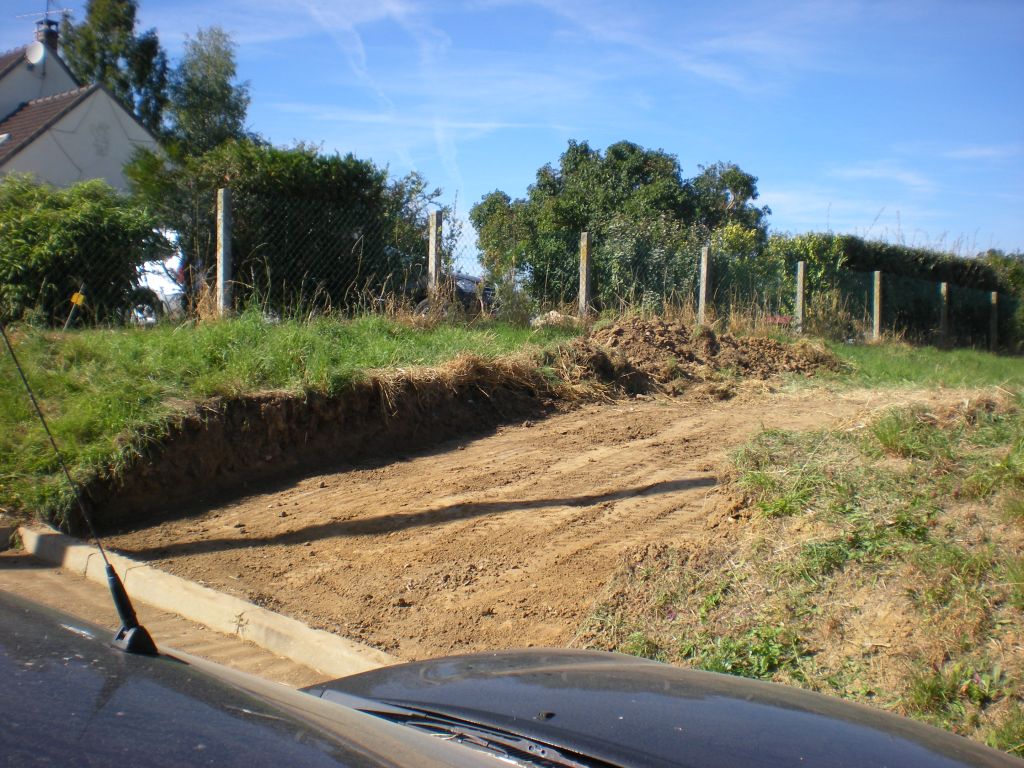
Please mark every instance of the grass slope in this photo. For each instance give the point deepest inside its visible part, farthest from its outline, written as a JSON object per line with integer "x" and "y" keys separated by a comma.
{"x": 97, "y": 387}
{"x": 882, "y": 565}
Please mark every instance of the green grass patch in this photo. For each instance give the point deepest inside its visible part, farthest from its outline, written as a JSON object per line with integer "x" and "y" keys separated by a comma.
{"x": 880, "y": 564}
{"x": 759, "y": 653}
{"x": 886, "y": 365}
{"x": 1009, "y": 734}
{"x": 100, "y": 389}
{"x": 947, "y": 695}
{"x": 909, "y": 434}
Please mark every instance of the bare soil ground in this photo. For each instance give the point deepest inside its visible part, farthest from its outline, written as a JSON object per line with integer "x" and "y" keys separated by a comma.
{"x": 502, "y": 541}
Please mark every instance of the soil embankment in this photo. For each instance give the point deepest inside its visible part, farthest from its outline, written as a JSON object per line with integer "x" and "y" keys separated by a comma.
{"x": 503, "y": 531}
{"x": 216, "y": 450}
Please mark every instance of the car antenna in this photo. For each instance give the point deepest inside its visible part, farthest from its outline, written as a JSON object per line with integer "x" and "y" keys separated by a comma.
{"x": 132, "y": 637}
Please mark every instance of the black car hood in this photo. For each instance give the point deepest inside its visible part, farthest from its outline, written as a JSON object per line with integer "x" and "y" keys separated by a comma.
{"x": 68, "y": 699}
{"x": 629, "y": 711}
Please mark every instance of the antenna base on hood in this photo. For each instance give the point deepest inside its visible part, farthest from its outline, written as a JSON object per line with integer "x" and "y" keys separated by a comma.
{"x": 135, "y": 640}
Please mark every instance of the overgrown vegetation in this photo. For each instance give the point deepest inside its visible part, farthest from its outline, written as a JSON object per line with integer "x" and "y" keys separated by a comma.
{"x": 55, "y": 241}
{"x": 308, "y": 228}
{"x": 880, "y": 563}
{"x": 649, "y": 225}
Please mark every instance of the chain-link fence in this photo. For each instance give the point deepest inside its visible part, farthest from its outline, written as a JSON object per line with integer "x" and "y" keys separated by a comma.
{"x": 84, "y": 256}
{"x": 296, "y": 255}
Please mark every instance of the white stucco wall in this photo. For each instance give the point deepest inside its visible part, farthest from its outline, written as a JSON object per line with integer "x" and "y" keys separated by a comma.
{"x": 27, "y": 82}
{"x": 93, "y": 141}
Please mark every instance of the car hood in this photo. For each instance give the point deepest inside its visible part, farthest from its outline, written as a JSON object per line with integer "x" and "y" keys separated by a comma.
{"x": 630, "y": 711}
{"x": 69, "y": 699}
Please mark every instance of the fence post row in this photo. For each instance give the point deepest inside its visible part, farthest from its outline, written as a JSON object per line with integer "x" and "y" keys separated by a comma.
{"x": 801, "y": 271}
{"x": 704, "y": 287}
{"x": 223, "y": 252}
{"x": 434, "y": 254}
{"x": 586, "y": 289}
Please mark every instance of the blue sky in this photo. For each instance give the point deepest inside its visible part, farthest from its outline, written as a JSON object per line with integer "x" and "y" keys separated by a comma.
{"x": 894, "y": 120}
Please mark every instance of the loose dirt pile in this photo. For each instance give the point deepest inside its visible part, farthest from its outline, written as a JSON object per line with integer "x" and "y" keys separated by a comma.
{"x": 642, "y": 355}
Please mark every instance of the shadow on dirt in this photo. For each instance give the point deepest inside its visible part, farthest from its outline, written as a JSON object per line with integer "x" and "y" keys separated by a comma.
{"x": 380, "y": 524}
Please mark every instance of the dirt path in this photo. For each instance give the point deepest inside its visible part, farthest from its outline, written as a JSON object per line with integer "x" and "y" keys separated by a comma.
{"x": 501, "y": 542}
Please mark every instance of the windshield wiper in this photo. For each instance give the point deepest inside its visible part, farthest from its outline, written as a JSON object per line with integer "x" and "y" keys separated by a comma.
{"x": 502, "y": 743}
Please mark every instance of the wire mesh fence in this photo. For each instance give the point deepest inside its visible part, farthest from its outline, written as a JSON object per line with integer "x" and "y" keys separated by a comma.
{"x": 300, "y": 255}
{"x": 303, "y": 254}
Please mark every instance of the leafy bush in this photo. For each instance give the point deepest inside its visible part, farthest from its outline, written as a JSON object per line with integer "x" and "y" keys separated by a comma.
{"x": 53, "y": 241}
{"x": 304, "y": 224}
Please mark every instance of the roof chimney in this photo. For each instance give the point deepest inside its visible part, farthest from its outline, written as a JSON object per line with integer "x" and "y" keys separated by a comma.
{"x": 48, "y": 33}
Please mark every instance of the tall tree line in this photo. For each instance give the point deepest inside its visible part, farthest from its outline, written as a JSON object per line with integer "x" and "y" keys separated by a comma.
{"x": 192, "y": 107}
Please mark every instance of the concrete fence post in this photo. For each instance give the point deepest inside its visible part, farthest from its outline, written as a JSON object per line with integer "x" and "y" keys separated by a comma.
{"x": 704, "y": 285}
{"x": 801, "y": 271}
{"x": 223, "y": 252}
{"x": 434, "y": 254}
{"x": 876, "y": 308}
{"x": 586, "y": 289}
{"x": 993, "y": 323}
{"x": 944, "y": 314}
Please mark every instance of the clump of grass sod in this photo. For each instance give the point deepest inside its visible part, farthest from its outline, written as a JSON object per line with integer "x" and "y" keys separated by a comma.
{"x": 880, "y": 564}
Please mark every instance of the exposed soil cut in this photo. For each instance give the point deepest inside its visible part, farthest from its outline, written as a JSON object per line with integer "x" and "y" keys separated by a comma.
{"x": 222, "y": 447}
{"x": 503, "y": 541}
{"x": 218, "y": 449}
{"x": 501, "y": 537}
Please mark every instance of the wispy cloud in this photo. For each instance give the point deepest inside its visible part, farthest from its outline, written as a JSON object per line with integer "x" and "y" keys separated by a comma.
{"x": 742, "y": 48}
{"x": 886, "y": 172}
{"x": 325, "y": 113}
{"x": 984, "y": 152}
{"x": 816, "y": 207}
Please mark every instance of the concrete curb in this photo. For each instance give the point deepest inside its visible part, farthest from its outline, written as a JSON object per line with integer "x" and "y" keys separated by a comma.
{"x": 326, "y": 653}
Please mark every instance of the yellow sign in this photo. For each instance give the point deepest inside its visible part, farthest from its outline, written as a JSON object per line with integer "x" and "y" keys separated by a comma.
{"x": 78, "y": 299}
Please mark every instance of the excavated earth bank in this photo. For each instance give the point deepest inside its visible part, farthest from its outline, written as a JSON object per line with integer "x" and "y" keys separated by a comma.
{"x": 230, "y": 446}
{"x": 226, "y": 446}
{"x": 505, "y": 540}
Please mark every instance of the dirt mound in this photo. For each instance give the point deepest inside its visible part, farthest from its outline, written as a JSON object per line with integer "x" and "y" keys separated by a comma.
{"x": 644, "y": 354}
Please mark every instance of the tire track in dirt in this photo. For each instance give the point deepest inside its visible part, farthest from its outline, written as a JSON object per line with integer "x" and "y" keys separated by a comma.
{"x": 504, "y": 541}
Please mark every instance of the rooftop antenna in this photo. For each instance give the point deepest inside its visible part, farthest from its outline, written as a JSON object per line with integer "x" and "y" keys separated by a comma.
{"x": 47, "y": 29}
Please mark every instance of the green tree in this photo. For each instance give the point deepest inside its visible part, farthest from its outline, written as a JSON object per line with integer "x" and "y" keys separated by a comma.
{"x": 106, "y": 49}
{"x": 647, "y": 222}
{"x": 723, "y": 194}
{"x": 602, "y": 193}
{"x": 501, "y": 237}
{"x": 206, "y": 106}
{"x": 305, "y": 224}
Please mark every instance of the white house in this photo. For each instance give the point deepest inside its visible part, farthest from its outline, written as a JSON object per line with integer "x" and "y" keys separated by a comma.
{"x": 57, "y": 129}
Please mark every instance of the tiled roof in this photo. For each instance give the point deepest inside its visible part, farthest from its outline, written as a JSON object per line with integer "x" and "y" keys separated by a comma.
{"x": 9, "y": 58}
{"x": 34, "y": 117}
